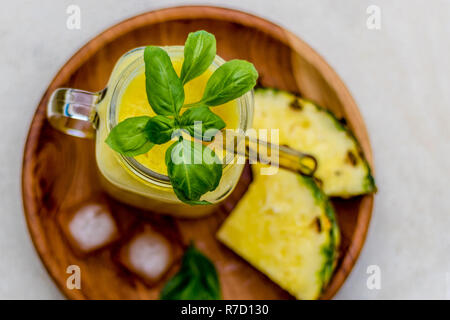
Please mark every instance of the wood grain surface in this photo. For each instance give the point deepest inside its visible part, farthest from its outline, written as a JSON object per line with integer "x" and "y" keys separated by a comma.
{"x": 59, "y": 171}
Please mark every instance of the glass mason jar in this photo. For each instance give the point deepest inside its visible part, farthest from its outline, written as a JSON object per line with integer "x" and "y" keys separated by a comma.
{"x": 92, "y": 115}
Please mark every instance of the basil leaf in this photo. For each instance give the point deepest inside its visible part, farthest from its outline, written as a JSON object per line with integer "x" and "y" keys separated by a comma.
{"x": 199, "y": 53}
{"x": 196, "y": 280}
{"x": 203, "y": 120}
{"x": 159, "y": 129}
{"x": 129, "y": 137}
{"x": 165, "y": 91}
{"x": 230, "y": 81}
{"x": 181, "y": 197}
{"x": 193, "y": 170}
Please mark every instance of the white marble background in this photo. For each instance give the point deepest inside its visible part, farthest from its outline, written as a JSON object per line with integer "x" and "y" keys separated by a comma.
{"x": 399, "y": 76}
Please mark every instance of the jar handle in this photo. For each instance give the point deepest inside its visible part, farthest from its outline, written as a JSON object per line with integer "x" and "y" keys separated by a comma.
{"x": 72, "y": 111}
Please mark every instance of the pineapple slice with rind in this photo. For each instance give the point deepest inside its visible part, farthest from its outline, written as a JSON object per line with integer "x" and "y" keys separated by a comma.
{"x": 285, "y": 226}
{"x": 342, "y": 168}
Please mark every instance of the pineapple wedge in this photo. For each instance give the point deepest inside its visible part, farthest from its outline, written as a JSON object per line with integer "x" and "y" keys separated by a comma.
{"x": 285, "y": 227}
{"x": 342, "y": 169}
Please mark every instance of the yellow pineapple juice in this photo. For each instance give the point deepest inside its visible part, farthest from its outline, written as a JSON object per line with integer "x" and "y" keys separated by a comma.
{"x": 141, "y": 181}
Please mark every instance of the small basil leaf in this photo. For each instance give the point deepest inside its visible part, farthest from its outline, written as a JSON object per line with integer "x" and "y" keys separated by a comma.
{"x": 201, "y": 119}
{"x": 230, "y": 81}
{"x": 193, "y": 170}
{"x": 159, "y": 129}
{"x": 196, "y": 280}
{"x": 129, "y": 137}
{"x": 165, "y": 91}
{"x": 199, "y": 53}
{"x": 191, "y": 202}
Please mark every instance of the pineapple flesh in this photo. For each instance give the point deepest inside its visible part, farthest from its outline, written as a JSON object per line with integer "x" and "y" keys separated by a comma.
{"x": 342, "y": 169}
{"x": 285, "y": 227}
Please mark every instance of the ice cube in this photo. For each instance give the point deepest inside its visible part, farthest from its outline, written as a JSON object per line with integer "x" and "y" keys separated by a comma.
{"x": 90, "y": 227}
{"x": 148, "y": 255}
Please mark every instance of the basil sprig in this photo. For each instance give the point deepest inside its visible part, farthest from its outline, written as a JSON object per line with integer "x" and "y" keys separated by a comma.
{"x": 193, "y": 168}
{"x": 204, "y": 129}
{"x": 199, "y": 53}
{"x": 160, "y": 129}
{"x": 165, "y": 91}
{"x": 196, "y": 280}
{"x": 130, "y": 137}
{"x": 230, "y": 81}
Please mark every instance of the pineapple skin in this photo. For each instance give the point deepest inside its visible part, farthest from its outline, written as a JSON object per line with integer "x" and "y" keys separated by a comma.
{"x": 342, "y": 170}
{"x": 285, "y": 227}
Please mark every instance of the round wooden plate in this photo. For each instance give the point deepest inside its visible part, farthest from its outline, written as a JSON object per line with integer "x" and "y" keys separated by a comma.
{"x": 59, "y": 171}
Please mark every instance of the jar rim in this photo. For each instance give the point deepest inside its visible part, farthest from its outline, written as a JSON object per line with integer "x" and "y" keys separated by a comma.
{"x": 245, "y": 105}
